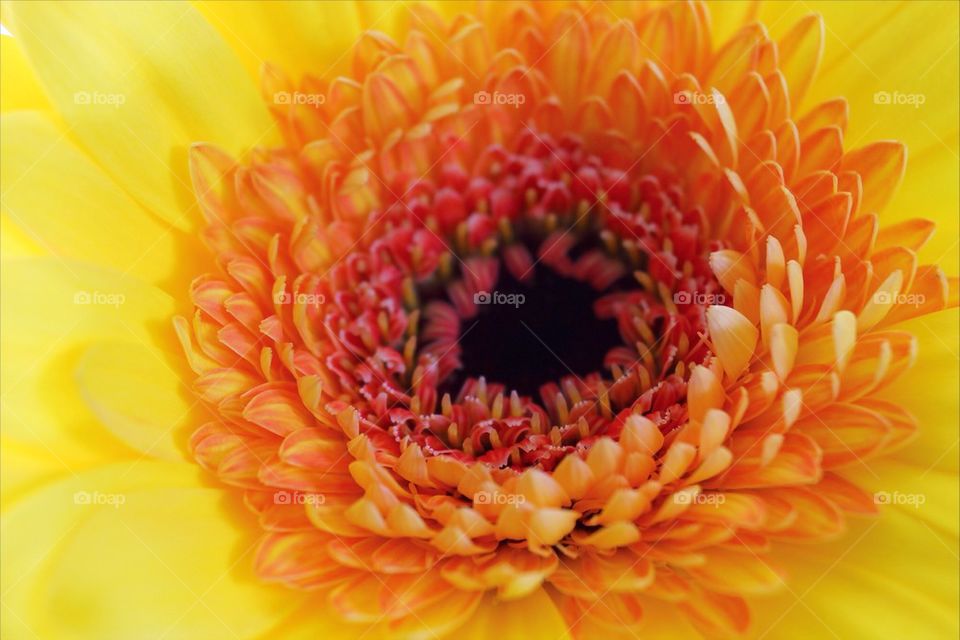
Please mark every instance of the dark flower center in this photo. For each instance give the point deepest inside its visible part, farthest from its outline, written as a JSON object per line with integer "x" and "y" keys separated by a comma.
{"x": 528, "y": 334}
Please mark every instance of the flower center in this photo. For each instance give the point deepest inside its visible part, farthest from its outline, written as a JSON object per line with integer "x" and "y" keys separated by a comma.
{"x": 511, "y": 312}
{"x": 528, "y": 334}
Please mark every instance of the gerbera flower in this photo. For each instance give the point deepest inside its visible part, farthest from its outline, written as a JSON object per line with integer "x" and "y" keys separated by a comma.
{"x": 552, "y": 320}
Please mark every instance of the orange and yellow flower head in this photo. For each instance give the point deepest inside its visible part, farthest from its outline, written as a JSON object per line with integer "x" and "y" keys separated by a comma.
{"x": 578, "y": 308}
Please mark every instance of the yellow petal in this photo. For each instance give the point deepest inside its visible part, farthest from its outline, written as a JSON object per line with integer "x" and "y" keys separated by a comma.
{"x": 52, "y": 310}
{"x": 921, "y": 391}
{"x": 783, "y": 348}
{"x": 137, "y": 83}
{"x": 112, "y": 540}
{"x": 532, "y": 617}
{"x": 737, "y": 573}
{"x": 880, "y": 302}
{"x": 136, "y": 394}
{"x": 14, "y": 242}
{"x": 298, "y": 37}
{"x": 25, "y": 467}
{"x": 21, "y": 89}
{"x": 801, "y": 50}
{"x": 314, "y": 619}
{"x": 913, "y": 592}
{"x": 57, "y": 195}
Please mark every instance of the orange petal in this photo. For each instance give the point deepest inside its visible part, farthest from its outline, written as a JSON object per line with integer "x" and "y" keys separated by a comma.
{"x": 734, "y": 338}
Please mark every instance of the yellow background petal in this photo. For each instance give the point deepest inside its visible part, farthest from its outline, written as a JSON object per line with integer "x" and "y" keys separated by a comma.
{"x": 299, "y": 37}
{"x": 929, "y": 392}
{"x": 138, "y": 397}
{"x": 853, "y": 588}
{"x": 309, "y": 37}
{"x": 21, "y": 89}
{"x": 145, "y": 557}
{"x": 137, "y": 83}
{"x": 896, "y": 590}
{"x": 14, "y": 241}
{"x": 535, "y": 616}
{"x": 57, "y": 196}
{"x": 51, "y": 311}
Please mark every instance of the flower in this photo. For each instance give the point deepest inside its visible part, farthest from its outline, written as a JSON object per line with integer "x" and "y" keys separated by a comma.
{"x": 546, "y": 319}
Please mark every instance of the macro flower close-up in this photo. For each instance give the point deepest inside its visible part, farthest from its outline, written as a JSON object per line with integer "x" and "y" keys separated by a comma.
{"x": 497, "y": 319}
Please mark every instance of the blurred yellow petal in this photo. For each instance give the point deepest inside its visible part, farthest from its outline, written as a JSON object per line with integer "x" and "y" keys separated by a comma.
{"x": 21, "y": 88}
{"x": 930, "y": 189}
{"x": 300, "y": 37}
{"x": 137, "y": 83}
{"x": 932, "y": 399}
{"x": 535, "y": 616}
{"x": 314, "y": 619}
{"x": 138, "y": 397}
{"x": 919, "y": 492}
{"x": 894, "y": 594}
{"x": 724, "y": 24}
{"x": 134, "y": 551}
{"x": 315, "y": 38}
{"x": 25, "y": 467}
{"x": 33, "y": 531}
{"x": 58, "y": 196}
{"x": 14, "y": 241}
{"x": 52, "y": 310}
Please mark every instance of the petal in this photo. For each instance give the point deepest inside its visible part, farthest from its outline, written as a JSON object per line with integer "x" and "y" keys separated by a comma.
{"x": 52, "y": 311}
{"x": 737, "y": 574}
{"x": 25, "y": 467}
{"x": 912, "y": 593}
{"x": 535, "y": 616}
{"x": 23, "y": 91}
{"x": 138, "y": 83}
{"x": 860, "y": 65}
{"x": 734, "y": 337}
{"x": 57, "y": 195}
{"x": 921, "y": 391}
{"x": 178, "y": 543}
{"x": 14, "y": 242}
{"x": 881, "y": 166}
{"x": 315, "y": 619}
{"x": 298, "y": 37}
{"x": 135, "y": 393}
{"x": 87, "y": 556}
